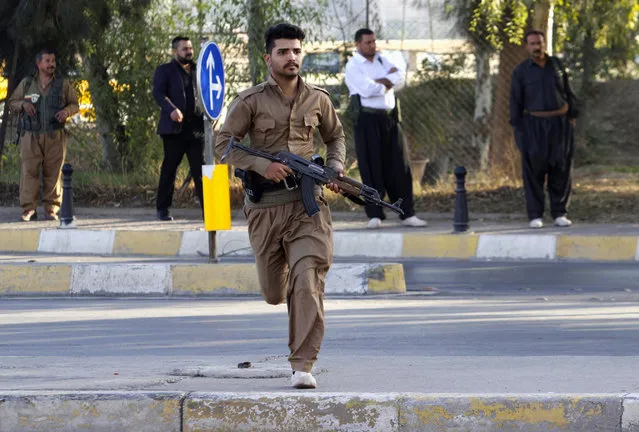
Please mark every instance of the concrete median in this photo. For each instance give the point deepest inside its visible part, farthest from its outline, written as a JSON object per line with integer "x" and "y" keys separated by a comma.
{"x": 315, "y": 411}
{"x": 174, "y": 279}
{"x": 348, "y": 244}
{"x": 82, "y": 411}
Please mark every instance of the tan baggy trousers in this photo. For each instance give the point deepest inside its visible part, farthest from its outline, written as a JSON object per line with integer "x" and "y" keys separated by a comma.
{"x": 47, "y": 150}
{"x": 293, "y": 254}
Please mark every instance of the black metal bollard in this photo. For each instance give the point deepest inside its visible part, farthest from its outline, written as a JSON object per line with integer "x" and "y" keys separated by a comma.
{"x": 460, "y": 221}
{"x": 67, "y": 217}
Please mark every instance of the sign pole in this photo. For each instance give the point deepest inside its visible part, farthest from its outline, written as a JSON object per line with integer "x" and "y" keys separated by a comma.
{"x": 209, "y": 160}
{"x": 211, "y": 83}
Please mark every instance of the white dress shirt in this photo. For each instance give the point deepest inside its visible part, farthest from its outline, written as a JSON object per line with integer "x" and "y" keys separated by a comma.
{"x": 360, "y": 76}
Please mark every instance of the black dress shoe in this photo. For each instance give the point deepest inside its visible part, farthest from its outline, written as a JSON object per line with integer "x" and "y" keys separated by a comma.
{"x": 164, "y": 215}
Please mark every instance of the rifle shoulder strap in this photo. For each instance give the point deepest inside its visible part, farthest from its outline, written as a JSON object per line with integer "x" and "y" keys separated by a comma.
{"x": 559, "y": 69}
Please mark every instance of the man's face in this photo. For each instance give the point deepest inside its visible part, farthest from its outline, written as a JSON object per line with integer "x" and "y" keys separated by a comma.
{"x": 184, "y": 52}
{"x": 285, "y": 58}
{"x": 366, "y": 47}
{"x": 536, "y": 46}
{"x": 46, "y": 66}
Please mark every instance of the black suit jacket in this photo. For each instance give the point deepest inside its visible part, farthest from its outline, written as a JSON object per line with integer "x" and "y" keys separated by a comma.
{"x": 168, "y": 84}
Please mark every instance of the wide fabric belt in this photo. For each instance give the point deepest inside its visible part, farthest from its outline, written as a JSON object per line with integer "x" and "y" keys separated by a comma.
{"x": 554, "y": 113}
{"x": 375, "y": 110}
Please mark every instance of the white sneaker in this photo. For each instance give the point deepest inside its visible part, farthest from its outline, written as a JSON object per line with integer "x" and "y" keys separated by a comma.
{"x": 374, "y": 223}
{"x": 536, "y": 223}
{"x": 563, "y": 221}
{"x": 414, "y": 221}
{"x": 303, "y": 380}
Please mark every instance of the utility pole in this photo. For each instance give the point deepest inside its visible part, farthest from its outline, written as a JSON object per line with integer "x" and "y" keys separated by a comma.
{"x": 367, "y": 13}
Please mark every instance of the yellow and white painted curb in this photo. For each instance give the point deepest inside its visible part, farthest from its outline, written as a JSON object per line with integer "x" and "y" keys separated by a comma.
{"x": 347, "y": 244}
{"x": 183, "y": 279}
{"x": 315, "y": 411}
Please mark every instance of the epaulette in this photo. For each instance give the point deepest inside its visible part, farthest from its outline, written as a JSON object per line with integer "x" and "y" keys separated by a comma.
{"x": 251, "y": 91}
{"x": 314, "y": 87}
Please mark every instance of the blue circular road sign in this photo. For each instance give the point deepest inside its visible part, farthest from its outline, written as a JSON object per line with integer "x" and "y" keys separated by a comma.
{"x": 210, "y": 74}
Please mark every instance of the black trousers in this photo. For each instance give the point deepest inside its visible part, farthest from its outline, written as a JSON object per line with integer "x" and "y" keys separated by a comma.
{"x": 175, "y": 147}
{"x": 383, "y": 161}
{"x": 546, "y": 153}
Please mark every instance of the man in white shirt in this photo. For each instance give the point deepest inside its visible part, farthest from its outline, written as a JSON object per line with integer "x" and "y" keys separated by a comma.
{"x": 381, "y": 154}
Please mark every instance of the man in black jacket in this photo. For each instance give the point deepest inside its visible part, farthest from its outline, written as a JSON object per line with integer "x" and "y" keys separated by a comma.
{"x": 181, "y": 123}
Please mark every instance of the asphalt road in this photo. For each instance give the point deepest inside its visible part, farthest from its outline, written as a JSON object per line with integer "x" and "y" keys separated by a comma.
{"x": 489, "y": 328}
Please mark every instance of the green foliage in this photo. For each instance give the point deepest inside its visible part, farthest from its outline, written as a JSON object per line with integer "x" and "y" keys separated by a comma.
{"x": 262, "y": 14}
{"x": 490, "y": 22}
{"x": 437, "y": 128}
{"x": 119, "y": 67}
{"x": 441, "y": 67}
{"x": 598, "y": 38}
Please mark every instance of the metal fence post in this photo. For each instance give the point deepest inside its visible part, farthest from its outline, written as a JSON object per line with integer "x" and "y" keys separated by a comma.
{"x": 67, "y": 217}
{"x": 460, "y": 221}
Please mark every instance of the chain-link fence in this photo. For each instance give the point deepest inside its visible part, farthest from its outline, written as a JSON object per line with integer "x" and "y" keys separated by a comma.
{"x": 455, "y": 105}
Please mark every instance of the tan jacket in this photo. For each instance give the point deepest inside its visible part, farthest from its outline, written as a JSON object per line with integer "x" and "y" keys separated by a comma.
{"x": 274, "y": 125}
{"x": 70, "y": 97}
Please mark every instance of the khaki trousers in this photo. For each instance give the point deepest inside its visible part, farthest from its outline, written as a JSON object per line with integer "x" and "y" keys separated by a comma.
{"x": 47, "y": 150}
{"x": 293, "y": 254}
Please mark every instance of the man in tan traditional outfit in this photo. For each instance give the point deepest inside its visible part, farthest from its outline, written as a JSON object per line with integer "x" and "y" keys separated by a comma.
{"x": 45, "y": 102}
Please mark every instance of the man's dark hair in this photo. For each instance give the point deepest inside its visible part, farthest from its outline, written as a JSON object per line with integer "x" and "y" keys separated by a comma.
{"x": 42, "y": 52}
{"x": 534, "y": 32}
{"x": 176, "y": 41}
{"x": 361, "y": 32}
{"x": 282, "y": 31}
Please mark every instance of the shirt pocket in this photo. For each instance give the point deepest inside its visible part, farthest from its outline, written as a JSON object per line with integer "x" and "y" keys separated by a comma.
{"x": 533, "y": 84}
{"x": 310, "y": 124}
{"x": 262, "y": 129}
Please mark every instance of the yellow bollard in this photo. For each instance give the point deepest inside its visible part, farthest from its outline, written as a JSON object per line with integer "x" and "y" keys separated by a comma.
{"x": 217, "y": 200}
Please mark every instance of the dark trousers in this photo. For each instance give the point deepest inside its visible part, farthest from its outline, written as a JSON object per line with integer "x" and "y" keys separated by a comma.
{"x": 175, "y": 147}
{"x": 383, "y": 161}
{"x": 547, "y": 147}
{"x": 535, "y": 171}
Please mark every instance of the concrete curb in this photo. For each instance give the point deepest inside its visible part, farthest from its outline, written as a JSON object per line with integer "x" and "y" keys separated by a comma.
{"x": 183, "y": 279}
{"x": 315, "y": 411}
{"x": 347, "y": 244}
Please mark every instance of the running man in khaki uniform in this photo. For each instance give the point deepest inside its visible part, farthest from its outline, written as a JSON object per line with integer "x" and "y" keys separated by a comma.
{"x": 45, "y": 103}
{"x": 293, "y": 251}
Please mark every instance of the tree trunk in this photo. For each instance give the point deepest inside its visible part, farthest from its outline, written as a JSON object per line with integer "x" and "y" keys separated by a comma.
{"x": 589, "y": 59}
{"x": 11, "y": 85}
{"x": 483, "y": 106}
{"x": 504, "y": 157}
{"x": 105, "y": 105}
{"x": 540, "y": 16}
{"x": 256, "y": 29}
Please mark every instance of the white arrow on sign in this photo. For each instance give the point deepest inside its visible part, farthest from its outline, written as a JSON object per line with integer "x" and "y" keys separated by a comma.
{"x": 210, "y": 65}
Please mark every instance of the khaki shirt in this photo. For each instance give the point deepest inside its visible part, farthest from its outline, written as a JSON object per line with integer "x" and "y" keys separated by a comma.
{"x": 274, "y": 125}
{"x": 70, "y": 97}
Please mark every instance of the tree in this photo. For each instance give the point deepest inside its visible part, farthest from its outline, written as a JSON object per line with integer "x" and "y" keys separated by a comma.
{"x": 264, "y": 13}
{"x": 475, "y": 18}
{"x": 598, "y": 38}
{"x": 27, "y": 26}
{"x": 118, "y": 62}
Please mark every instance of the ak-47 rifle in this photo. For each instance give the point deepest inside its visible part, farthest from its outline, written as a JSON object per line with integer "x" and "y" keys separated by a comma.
{"x": 309, "y": 173}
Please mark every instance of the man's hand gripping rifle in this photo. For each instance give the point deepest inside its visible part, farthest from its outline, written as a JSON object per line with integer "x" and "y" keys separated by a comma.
{"x": 308, "y": 173}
